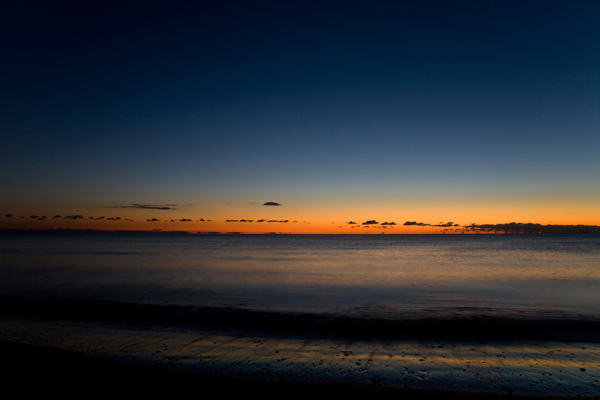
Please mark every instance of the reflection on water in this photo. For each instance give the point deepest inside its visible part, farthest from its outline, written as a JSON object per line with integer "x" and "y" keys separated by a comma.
{"x": 382, "y": 274}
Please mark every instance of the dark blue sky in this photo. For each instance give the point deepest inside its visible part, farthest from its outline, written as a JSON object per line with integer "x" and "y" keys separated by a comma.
{"x": 235, "y": 101}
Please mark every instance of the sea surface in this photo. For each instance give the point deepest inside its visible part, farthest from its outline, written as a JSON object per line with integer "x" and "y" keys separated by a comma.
{"x": 383, "y": 276}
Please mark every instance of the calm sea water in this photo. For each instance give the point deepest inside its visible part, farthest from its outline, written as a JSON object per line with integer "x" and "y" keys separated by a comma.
{"x": 385, "y": 275}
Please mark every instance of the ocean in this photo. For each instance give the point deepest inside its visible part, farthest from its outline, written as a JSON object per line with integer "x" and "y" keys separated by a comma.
{"x": 482, "y": 313}
{"x": 382, "y": 276}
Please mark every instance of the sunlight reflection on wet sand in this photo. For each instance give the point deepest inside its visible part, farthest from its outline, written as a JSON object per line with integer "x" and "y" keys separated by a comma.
{"x": 529, "y": 367}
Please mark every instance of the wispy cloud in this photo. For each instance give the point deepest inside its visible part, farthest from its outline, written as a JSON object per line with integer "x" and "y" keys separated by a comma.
{"x": 147, "y": 206}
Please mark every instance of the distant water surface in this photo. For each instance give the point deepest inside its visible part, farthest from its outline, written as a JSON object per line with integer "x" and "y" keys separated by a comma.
{"x": 386, "y": 276}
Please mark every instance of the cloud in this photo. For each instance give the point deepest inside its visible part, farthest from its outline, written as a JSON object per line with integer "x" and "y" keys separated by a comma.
{"x": 519, "y": 227}
{"x": 351, "y": 223}
{"x": 8, "y": 216}
{"x": 271, "y": 203}
{"x": 99, "y": 218}
{"x": 73, "y": 217}
{"x": 113, "y": 219}
{"x": 148, "y": 206}
{"x": 152, "y": 220}
{"x": 261, "y": 220}
{"x": 414, "y": 223}
{"x": 34, "y": 216}
{"x": 232, "y": 220}
{"x": 246, "y": 220}
{"x": 185, "y": 220}
{"x": 57, "y": 216}
{"x": 446, "y": 225}
{"x": 388, "y": 223}
{"x": 370, "y": 222}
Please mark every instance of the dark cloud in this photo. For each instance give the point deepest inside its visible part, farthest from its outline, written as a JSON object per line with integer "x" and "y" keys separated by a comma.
{"x": 73, "y": 217}
{"x": 388, "y": 223}
{"x": 99, "y": 218}
{"x": 148, "y": 206}
{"x": 127, "y": 219}
{"x": 246, "y": 220}
{"x": 271, "y": 203}
{"x": 261, "y": 220}
{"x": 444, "y": 225}
{"x": 34, "y": 216}
{"x": 91, "y": 218}
{"x": 8, "y": 216}
{"x": 57, "y": 216}
{"x": 519, "y": 227}
{"x": 152, "y": 220}
{"x": 414, "y": 223}
{"x": 370, "y": 222}
{"x": 113, "y": 218}
{"x": 351, "y": 223}
{"x": 185, "y": 220}
{"x": 232, "y": 220}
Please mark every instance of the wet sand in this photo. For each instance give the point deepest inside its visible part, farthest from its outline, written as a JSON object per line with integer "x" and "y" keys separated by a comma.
{"x": 316, "y": 356}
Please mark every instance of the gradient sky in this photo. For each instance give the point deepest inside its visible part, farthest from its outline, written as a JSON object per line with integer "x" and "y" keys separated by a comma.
{"x": 429, "y": 111}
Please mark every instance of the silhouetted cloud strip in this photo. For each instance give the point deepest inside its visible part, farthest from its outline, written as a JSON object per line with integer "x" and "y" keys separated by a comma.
{"x": 73, "y": 217}
{"x": 414, "y": 223}
{"x": 271, "y": 203}
{"x": 388, "y": 223}
{"x": 351, "y": 223}
{"x": 370, "y": 222}
{"x": 148, "y": 206}
{"x": 185, "y": 220}
{"x": 152, "y": 220}
{"x": 519, "y": 227}
{"x": 8, "y": 216}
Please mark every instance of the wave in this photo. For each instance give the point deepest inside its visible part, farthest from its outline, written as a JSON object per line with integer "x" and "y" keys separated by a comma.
{"x": 472, "y": 324}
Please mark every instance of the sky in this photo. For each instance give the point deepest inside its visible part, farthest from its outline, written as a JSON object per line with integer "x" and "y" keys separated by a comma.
{"x": 183, "y": 117}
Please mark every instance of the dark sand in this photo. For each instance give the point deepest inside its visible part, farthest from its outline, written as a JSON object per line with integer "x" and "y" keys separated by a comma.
{"x": 76, "y": 347}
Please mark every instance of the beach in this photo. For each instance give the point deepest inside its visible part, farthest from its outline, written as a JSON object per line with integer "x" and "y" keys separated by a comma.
{"x": 272, "y": 352}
